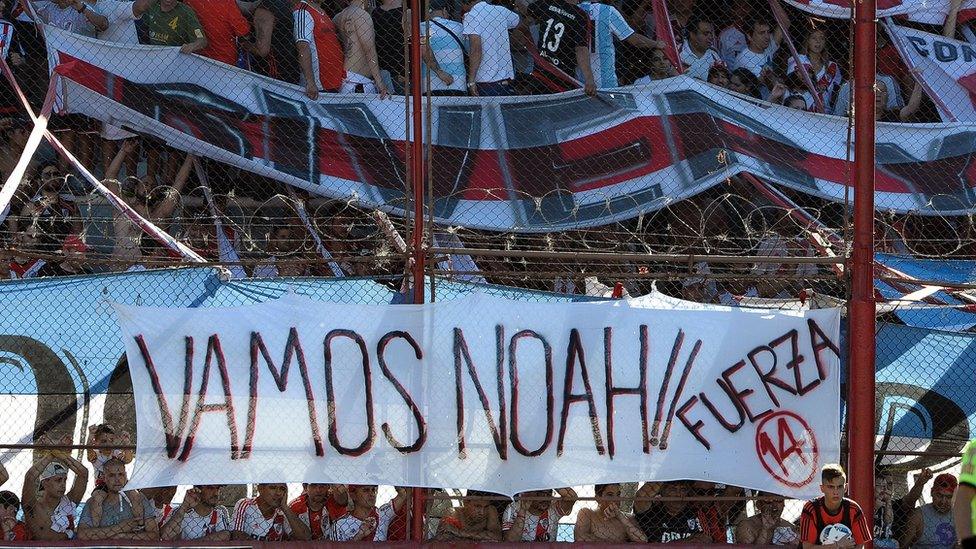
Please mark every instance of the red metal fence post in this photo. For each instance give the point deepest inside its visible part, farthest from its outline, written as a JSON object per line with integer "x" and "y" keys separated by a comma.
{"x": 861, "y": 382}
{"x": 417, "y": 172}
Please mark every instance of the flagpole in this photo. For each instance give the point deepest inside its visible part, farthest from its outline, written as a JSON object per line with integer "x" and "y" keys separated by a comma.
{"x": 861, "y": 383}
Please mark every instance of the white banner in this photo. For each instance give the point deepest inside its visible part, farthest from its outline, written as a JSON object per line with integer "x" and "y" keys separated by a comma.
{"x": 947, "y": 68}
{"x": 932, "y": 12}
{"x": 483, "y": 393}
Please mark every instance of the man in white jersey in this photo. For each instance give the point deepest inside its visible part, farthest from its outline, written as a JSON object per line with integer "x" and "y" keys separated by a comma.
{"x": 199, "y": 517}
{"x": 366, "y": 521}
{"x": 761, "y": 46}
{"x": 267, "y": 517}
{"x": 608, "y": 24}
{"x": 697, "y": 54}
{"x": 490, "y": 68}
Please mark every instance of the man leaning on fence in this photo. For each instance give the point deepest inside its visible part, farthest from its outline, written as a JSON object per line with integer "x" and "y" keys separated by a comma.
{"x": 930, "y": 526}
{"x": 48, "y": 506}
{"x": 124, "y": 515}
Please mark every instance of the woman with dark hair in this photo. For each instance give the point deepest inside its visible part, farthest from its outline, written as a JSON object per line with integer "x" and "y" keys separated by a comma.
{"x": 826, "y": 74}
{"x": 607, "y": 522}
{"x": 719, "y": 76}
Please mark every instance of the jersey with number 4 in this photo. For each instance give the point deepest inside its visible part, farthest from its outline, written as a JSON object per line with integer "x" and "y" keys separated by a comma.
{"x": 562, "y": 29}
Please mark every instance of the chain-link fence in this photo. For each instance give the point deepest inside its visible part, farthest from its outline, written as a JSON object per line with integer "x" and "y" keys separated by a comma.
{"x": 565, "y": 159}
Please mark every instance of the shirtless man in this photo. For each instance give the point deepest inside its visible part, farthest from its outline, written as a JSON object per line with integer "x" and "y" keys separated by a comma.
{"x": 475, "y": 520}
{"x": 607, "y": 522}
{"x": 355, "y": 27}
{"x": 50, "y": 513}
{"x": 767, "y": 526}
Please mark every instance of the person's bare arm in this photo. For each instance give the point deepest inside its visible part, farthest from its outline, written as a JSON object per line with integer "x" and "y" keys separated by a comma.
{"x": 583, "y": 530}
{"x": 168, "y": 204}
{"x": 305, "y": 62}
{"x": 28, "y": 494}
{"x": 4, "y": 476}
{"x": 365, "y": 34}
{"x": 474, "y": 62}
{"x": 908, "y": 502}
{"x": 914, "y": 102}
{"x": 634, "y": 531}
{"x": 566, "y": 500}
{"x": 264, "y": 24}
{"x": 140, "y": 7}
{"x": 642, "y": 498}
{"x": 97, "y": 20}
{"x": 746, "y": 532}
{"x": 77, "y": 492}
{"x": 639, "y": 40}
{"x": 435, "y": 67}
{"x": 195, "y": 46}
{"x": 949, "y": 30}
{"x": 111, "y": 180}
{"x": 583, "y": 62}
{"x": 962, "y": 511}
{"x": 913, "y": 530}
{"x": 493, "y": 526}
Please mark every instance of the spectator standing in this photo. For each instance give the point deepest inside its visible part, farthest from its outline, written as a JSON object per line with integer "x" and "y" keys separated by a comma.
{"x": 71, "y": 15}
{"x": 884, "y": 513}
{"x": 282, "y": 59}
{"x": 268, "y": 517}
{"x": 833, "y": 511}
{"x": 475, "y": 520}
{"x": 173, "y": 23}
{"x": 534, "y": 515}
{"x": 673, "y": 519}
{"x": 366, "y": 521}
{"x": 223, "y": 24}
{"x": 697, "y": 54}
{"x": 761, "y": 45}
{"x": 359, "y": 38}
{"x": 930, "y": 526}
{"x": 124, "y": 515}
{"x": 256, "y": 49}
{"x": 964, "y": 502}
{"x": 490, "y": 69}
{"x": 731, "y": 41}
{"x": 445, "y": 52}
{"x": 609, "y": 26}
{"x": 767, "y": 526}
{"x": 564, "y": 37}
{"x": 198, "y": 517}
{"x": 826, "y": 74}
{"x": 48, "y": 508}
{"x": 319, "y": 505}
{"x": 607, "y": 522}
{"x": 905, "y": 506}
{"x": 121, "y": 29}
{"x": 389, "y": 22}
{"x": 11, "y": 529}
{"x": 319, "y": 52}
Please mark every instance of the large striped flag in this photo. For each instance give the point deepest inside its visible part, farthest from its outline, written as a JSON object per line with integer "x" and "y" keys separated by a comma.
{"x": 921, "y": 11}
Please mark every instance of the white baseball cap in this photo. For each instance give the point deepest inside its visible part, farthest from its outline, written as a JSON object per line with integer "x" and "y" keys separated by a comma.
{"x": 54, "y": 469}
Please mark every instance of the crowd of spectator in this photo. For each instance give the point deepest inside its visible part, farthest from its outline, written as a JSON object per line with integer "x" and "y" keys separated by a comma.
{"x": 50, "y": 508}
{"x": 56, "y": 226}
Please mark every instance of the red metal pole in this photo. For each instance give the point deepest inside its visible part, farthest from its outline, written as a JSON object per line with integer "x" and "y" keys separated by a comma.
{"x": 417, "y": 172}
{"x": 417, "y": 153}
{"x": 861, "y": 388}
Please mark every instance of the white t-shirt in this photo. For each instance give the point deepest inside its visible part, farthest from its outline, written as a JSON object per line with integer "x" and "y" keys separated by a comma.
{"x": 121, "y": 21}
{"x": 492, "y": 24}
{"x": 195, "y": 526}
{"x": 537, "y": 527}
{"x": 698, "y": 67}
{"x": 756, "y": 62}
{"x": 64, "y": 18}
{"x": 249, "y": 519}
{"x": 347, "y": 526}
